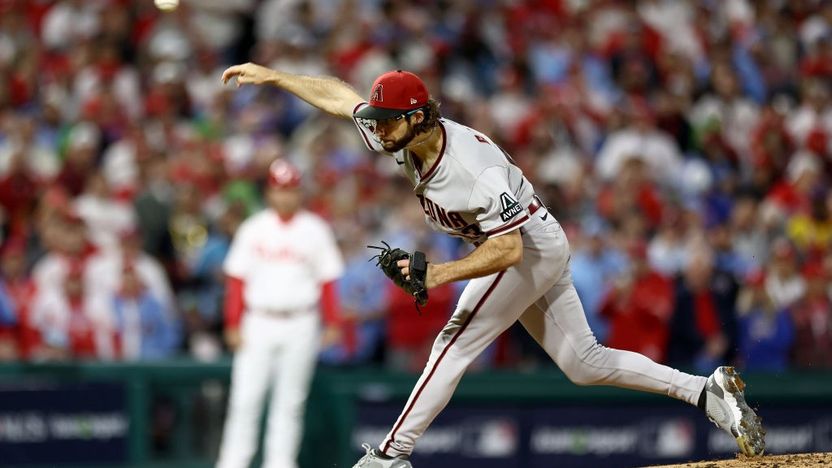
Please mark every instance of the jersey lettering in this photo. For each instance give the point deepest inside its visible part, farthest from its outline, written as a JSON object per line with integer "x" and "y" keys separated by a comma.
{"x": 456, "y": 219}
{"x": 279, "y": 254}
{"x": 443, "y": 217}
{"x": 448, "y": 219}
{"x": 477, "y": 169}
{"x": 431, "y": 209}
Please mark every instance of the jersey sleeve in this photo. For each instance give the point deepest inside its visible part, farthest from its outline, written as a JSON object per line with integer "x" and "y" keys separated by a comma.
{"x": 330, "y": 264}
{"x": 238, "y": 261}
{"x": 495, "y": 204}
{"x": 365, "y": 128}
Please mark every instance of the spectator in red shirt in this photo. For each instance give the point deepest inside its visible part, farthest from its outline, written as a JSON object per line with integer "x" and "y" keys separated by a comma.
{"x": 20, "y": 334}
{"x": 631, "y": 190}
{"x": 818, "y": 61}
{"x": 812, "y": 317}
{"x": 18, "y": 193}
{"x": 771, "y": 143}
{"x": 793, "y": 194}
{"x": 639, "y": 307}
{"x": 410, "y": 334}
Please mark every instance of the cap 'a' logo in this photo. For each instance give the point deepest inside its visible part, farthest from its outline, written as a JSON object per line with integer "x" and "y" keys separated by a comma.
{"x": 510, "y": 207}
{"x": 378, "y": 94}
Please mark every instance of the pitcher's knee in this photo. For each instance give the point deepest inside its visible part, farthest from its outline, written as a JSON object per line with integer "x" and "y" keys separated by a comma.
{"x": 583, "y": 375}
{"x": 589, "y": 368}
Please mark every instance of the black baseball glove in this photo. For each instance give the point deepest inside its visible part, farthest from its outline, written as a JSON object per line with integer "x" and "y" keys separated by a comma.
{"x": 387, "y": 260}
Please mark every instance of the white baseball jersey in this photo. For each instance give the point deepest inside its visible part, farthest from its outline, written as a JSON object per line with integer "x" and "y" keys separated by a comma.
{"x": 473, "y": 190}
{"x": 50, "y": 271}
{"x": 283, "y": 264}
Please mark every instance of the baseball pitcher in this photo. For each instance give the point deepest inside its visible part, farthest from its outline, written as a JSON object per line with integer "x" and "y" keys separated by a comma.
{"x": 519, "y": 270}
{"x": 282, "y": 264}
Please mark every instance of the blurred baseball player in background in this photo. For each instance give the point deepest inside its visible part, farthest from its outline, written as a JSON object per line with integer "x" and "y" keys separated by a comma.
{"x": 519, "y": 270}
{"x": 281, "y": 269}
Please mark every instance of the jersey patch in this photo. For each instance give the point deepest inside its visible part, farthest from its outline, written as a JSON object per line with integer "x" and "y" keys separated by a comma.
{"x": 510, "y": 206}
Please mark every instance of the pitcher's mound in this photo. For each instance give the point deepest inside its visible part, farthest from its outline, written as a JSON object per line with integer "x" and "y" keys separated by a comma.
{"x": 797, "y": 460}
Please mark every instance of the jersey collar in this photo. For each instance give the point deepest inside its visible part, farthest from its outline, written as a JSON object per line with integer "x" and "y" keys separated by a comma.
{"x": 432, "y": 171}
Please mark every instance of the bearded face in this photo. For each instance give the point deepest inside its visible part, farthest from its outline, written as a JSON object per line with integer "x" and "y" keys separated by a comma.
{"x": 393, "y": 145}
{"x": 396, "y": 133}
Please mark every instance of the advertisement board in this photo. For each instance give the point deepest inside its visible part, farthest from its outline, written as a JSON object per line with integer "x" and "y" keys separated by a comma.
{"x": 578, "y": 436}
{"x": 62, "y": 423}
{"x": 472, "y": 436}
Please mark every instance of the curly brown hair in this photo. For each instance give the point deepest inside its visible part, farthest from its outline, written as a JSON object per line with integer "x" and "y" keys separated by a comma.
{"x": 432, "y": 116}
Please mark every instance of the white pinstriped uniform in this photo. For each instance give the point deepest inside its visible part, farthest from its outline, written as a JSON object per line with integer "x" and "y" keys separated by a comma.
{"x": 474, "y": 191}
{"x": 283, "y": 265}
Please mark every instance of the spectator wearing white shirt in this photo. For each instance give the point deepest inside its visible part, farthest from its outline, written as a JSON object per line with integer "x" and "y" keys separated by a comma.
{"x": 640, "y": 139}
{"x": 726, "y": 111}
{"x": 784, "y": 283}
{"x": 104, "y": 214}
{"x": 67, "y": 245}
{"x": 814, "y": 113}
{"x": 70, "y": 21}
{"x": 74, "y": 322}
{"x": 105, "y": 270}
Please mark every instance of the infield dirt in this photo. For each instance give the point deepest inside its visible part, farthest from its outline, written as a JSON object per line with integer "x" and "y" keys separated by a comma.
{"x": 797, "y": 460}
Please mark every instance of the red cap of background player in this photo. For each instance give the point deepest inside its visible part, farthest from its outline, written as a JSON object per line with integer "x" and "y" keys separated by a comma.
{"x": 393, "y": 94}
{"x": 283, "y": 174}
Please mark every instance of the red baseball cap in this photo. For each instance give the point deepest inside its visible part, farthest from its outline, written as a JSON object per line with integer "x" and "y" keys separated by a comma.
{"x": 283, "y": 174}
{"x": 393, "y": 94}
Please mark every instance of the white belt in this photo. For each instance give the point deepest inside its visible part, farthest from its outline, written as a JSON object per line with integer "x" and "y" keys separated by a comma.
{"x": 283, "y": 313}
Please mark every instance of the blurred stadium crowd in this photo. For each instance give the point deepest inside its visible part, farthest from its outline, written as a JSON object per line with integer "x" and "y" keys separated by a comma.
{"x": 685, "y": 146}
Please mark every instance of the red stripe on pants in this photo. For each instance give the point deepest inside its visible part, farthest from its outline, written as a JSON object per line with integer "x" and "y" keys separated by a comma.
{"x": 439, "y": 359}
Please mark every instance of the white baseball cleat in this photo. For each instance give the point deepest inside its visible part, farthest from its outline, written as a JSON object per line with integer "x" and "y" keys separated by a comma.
{"x": 726, "y": 407}
{"x": 373, "y": 459}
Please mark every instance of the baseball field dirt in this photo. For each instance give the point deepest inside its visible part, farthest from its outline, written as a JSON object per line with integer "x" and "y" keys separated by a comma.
{"x": 797, "y": 460}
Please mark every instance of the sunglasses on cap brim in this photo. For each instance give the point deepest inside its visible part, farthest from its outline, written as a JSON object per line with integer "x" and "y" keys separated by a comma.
{"x": 389, "y": 115}
{"x": 400, "y": 116}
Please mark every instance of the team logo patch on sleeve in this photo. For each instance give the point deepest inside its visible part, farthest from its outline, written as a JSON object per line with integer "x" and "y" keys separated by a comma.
{"x": 510, "y": 206}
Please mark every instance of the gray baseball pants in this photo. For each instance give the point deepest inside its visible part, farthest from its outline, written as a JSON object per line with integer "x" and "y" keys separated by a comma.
{"x": 539, "y": 293}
